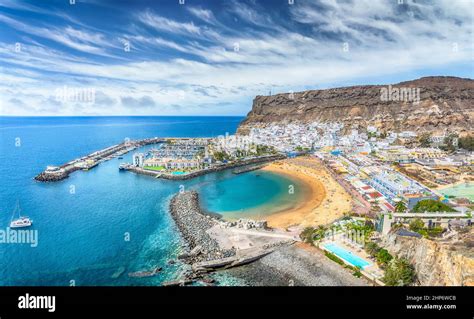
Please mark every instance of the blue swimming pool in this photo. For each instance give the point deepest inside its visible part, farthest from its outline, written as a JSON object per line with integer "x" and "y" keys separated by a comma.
{"x": 347, "y": 255}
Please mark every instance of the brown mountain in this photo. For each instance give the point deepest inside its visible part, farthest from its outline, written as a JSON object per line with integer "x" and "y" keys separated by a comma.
{"x": 445, "y": 104}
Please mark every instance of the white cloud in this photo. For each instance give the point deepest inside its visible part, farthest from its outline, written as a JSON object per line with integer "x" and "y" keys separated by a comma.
{"x": 80, "y": 40}
{"x": 164, "y": 24}
{"x": 382, "y": 41}
{"x": 203, "y": 14}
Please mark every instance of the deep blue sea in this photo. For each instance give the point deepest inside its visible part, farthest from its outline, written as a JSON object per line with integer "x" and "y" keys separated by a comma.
{"x": 97, "y": 226}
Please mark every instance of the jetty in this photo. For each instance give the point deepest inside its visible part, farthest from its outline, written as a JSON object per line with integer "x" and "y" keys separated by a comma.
{"x": 57, "y": 173}
{"x": 248, "y": 168}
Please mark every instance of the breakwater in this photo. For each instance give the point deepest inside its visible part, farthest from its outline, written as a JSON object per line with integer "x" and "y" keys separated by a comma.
{"x": 54, "y": 174}
{"x": 248, "y": 168}
{"x": 209, "y": 243}
{"x": 193, "y": 225}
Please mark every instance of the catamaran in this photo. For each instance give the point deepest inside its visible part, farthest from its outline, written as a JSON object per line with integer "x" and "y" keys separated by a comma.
{"x": 21, "y": 221}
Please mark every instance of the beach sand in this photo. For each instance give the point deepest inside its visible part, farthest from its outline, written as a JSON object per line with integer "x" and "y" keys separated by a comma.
{"x": 325, "y": 201}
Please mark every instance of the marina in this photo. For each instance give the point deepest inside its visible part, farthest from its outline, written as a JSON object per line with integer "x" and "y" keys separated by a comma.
{"x": 57, "y": 173}
{"x": 178, "y": 175}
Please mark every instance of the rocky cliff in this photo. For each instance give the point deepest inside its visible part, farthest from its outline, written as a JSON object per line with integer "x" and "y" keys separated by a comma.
{"x": 437, "y": 263}
{"x": 435, "y": 104}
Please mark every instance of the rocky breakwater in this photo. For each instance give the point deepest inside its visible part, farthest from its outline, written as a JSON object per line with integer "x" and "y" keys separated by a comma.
{"x": 437, "y": 262}
{"x": 193, "y": 225}
{"x": 55, "y": 176}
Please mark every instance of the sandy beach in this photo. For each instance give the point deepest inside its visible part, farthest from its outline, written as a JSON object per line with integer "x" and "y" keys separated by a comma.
{"x": 325, "y": 202}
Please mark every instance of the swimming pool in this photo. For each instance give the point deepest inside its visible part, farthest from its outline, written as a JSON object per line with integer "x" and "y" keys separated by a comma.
{"x": 178, "y": 173}
{"x": 347, "y": 255}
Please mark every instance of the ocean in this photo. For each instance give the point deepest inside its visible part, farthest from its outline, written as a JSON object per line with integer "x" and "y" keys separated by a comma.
{"x": 96, "y": 227}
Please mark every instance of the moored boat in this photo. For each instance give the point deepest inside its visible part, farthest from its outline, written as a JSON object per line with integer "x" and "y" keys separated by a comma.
{"x": 21, "y": 221}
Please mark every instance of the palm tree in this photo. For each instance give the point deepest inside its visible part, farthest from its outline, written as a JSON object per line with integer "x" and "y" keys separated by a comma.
{"x": 400, "y": 207}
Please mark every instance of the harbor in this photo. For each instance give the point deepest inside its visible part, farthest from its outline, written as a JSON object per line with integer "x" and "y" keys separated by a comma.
{"x": 205, "y": 170}
{"x": 58, "y": 173}
{"x": 175, "y": 159}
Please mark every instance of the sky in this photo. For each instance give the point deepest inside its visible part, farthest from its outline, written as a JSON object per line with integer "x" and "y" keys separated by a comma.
{"x": 93, "y": 57}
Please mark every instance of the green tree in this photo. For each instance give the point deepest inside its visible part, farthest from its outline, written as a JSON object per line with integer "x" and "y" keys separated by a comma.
{"x": 383, "y": 257}
{"x": 448, "y": 143}
{"x": 320, "y": 232}
{"x": 372, "y": 248}
{"x": 399, "y": 272}
{"x": 425, "y": 140}
{"x": 431, "y": 205}
{"x": 417, "y": 225}
{"x": 220, "y": 156}
{"x": 466, "y": 142}
{"x": 400, "y": 207}
{"x": 307, "y": 235}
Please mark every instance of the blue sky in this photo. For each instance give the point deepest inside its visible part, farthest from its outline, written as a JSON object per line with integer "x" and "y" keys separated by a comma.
{"x": 212, "y": 57}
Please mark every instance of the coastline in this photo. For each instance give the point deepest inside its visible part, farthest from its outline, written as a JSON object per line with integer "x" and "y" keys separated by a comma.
{"x": 295, "y": 265}
{"x": 253, "y": 256}
{"x": 317, "y": 208}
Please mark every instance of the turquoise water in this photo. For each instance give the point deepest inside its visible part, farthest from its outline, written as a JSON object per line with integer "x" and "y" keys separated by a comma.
{"x": 102, "y": 223}
{"x": 253, "y": 194}
{"x": 178, "y": 173}
{"x": 465, "y": 190}
{"x": 347, "y": 255}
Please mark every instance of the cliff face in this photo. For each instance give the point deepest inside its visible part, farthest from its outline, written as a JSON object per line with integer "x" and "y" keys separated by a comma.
{"x": 445, "y": 104}
{"x": 437, "y": 263}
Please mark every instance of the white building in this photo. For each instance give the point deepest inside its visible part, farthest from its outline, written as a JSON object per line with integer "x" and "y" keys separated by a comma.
{"x": 138, "y": 159}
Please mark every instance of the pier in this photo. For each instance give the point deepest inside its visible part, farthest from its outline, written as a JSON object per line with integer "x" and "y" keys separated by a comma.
{"x": 248, "y": 168}
{"x": 57, "y": 173}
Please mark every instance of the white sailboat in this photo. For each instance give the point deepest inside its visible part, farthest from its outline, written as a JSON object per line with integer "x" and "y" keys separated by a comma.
{"x": 21, "y": 221}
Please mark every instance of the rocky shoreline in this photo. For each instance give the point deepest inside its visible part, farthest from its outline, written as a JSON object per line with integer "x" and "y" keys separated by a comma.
{"x": 279, "y": 263}
{"x": 292, "y": 265}
{"x": 47, "y": 177}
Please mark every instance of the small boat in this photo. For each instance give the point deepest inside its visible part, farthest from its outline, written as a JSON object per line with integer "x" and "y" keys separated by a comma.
{"x": 21, "y": 221}
{"x": 120, "y": 157}
{"x": 123, "y": 166}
